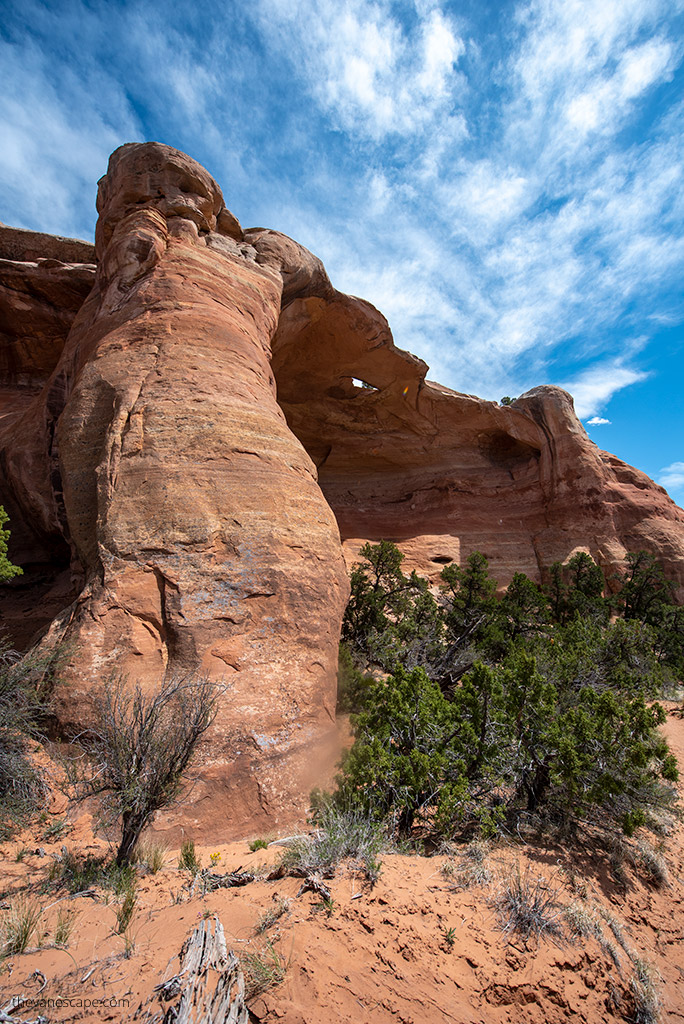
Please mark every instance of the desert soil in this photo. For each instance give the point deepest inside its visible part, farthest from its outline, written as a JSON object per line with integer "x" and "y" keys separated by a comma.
{"x": 420, "y": 946}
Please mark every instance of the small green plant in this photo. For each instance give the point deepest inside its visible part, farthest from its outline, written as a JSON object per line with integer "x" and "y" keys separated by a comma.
{"x": 269, "y": 918}
{"x": 20, "y": 854}
{"x": 450, "y": 937}
{"x": 126, "y": 909}
{"x": 7, "y": 569}
{"x": 66, "y": 920}
{"x": 258, "y": 844}
{"x": 18, "y": 926}
{"x": 151, "y": 854}
{"x": 55, "y": 830}
{"x": 262, "y": 968}
{"x": 188, "y": 860}
{"x": 129, "y": 943}
{"x": 528, "y": 905}
{"x": 79, "y": 874}
{"x": 645, "y": 993}
{"x": 327, "y": 905}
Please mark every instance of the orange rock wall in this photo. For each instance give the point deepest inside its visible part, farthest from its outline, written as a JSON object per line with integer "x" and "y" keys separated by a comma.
{"x": 182, "y": 444}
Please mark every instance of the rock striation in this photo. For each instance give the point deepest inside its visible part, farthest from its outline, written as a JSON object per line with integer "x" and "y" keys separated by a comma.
{"x": 197, "y": 530}
{"x": 187, "y": 456}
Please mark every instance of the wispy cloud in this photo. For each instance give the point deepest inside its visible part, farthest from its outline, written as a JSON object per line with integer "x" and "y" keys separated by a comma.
{"x": 598, "y": 421}
{"x": 50, "y": 158}
{"x": 672, "y": 478}
{"x": 363, "y": 66}
{"x": 511, "y": 197}
{"x": 594, "y": 387}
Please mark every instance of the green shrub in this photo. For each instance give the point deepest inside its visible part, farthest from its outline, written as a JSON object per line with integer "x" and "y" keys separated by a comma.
{"x": 532, "y": 704}
{"x": 406, "y": 757}
{"x": 7, "y": 569}
{"x": 506, "y": 738}
{"x": 188, "y": 859}
{"x": 342, "y": 834}
{"x": 391, "y": 619}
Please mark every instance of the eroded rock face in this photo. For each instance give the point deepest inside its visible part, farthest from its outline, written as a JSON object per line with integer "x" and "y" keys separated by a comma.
{"x": 178, "y": 458}
{"x": 192, "y": 511}
{"x": 444, "y": 474}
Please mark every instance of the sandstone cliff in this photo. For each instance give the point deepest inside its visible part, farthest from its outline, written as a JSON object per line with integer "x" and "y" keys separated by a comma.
{"x": 185, "y": 456}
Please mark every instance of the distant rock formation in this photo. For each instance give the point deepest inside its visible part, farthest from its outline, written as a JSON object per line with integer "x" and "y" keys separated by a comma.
{"x": 182, "y": 443}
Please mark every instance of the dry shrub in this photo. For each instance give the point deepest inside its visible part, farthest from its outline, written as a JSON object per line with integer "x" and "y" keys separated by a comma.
{"x": 18, "y": 926}
{"x": 528, "y": 905}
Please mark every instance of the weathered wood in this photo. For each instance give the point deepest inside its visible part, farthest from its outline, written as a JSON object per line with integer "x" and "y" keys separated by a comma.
{"x": 208, "y": 989}
{"x": 314, "y": 883}
{"x": 206, "y": 881}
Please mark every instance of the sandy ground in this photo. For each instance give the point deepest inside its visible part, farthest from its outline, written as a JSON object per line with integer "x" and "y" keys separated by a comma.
{"x": 417, "y": 947}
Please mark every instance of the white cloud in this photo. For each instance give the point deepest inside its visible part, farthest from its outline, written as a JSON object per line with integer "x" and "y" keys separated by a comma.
{"x": 502, "y": 228}
{"x": 50, "y": 160}
{"x": 597, "y": 421}
{"x": 672, "y": 477}
{"x": 362, "y": 67}
{"x": 594, "y": 388}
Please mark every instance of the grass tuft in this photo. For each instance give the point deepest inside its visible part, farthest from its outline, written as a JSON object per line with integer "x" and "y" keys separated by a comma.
{"x": 617, "y": 929}
{"x": 18, "y": 927}
{"x": 78, "y": 874}
{"x": 582, "y": 921}
{"x": 653, "y": 864}
{"x": 644, "y": 993}
{"x": 472, "y": 867}
{"x": 188, "y": 860}
{"x": 262, "y": 968}
{"x": 66, "y": 920}
{"x": 528, "y": 905}
{"x": 269, "y": 918}
{"x": 151, "y": 853}
{"x": 126, "y": 909}
{"x": 341, "y": 835}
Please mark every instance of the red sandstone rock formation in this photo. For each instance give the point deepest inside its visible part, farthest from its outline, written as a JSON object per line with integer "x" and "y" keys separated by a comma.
{"x": 444, "y": 474}
{"x": 162, "y": 440}
{"x": 192, "y": 511}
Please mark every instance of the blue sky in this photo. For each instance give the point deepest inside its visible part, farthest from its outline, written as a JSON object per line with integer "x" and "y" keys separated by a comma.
{"x": 503, "y": 180}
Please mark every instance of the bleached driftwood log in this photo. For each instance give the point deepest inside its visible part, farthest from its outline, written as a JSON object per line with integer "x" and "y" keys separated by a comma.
{"x": 208, "y": 989}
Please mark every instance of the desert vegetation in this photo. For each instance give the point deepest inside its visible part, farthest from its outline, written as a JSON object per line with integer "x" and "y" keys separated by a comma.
{"x": 138, "y": 750}
{"x": 473, "y": 714}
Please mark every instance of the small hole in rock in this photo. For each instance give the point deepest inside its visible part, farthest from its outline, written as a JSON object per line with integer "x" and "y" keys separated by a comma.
{"x": 441, "y": 559}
